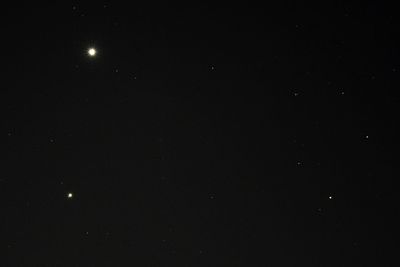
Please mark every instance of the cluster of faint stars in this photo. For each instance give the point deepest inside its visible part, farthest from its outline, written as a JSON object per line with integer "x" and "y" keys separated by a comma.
{"x": 92, "y": 52}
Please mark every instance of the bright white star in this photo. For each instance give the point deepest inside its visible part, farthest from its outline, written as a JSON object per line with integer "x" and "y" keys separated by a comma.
{"x": 92, "y": 52}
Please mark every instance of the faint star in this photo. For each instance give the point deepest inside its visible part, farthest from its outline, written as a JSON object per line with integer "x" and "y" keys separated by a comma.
{"x": 330, "y": 197}
{"x": 70, "y": 195}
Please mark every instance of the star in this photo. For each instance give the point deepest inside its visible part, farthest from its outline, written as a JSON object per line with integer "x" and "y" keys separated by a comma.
{"x": 92, "y": 52}
{"x": 70, "y": 195}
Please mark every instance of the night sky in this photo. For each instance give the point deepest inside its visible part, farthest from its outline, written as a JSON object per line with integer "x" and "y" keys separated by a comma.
{"x": 194, "y": 136}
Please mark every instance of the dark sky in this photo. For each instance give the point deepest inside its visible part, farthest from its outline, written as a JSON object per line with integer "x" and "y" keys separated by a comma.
{"x": 199, "y": 135}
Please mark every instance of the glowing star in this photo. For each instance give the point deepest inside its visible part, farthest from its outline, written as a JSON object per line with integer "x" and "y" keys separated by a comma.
{"x": 70, "y": 195}
{"x": 92, "y": 52}
{"x": 330, "y": 197}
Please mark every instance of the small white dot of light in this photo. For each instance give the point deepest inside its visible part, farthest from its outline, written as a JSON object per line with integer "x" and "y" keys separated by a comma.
{"x": 330, "y": 197}
{"x": 70, "y": 195}
{"x": 92, "y": 52}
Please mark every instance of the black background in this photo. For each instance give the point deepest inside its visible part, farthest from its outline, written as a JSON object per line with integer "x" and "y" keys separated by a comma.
{"x": 232, "y": 135}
